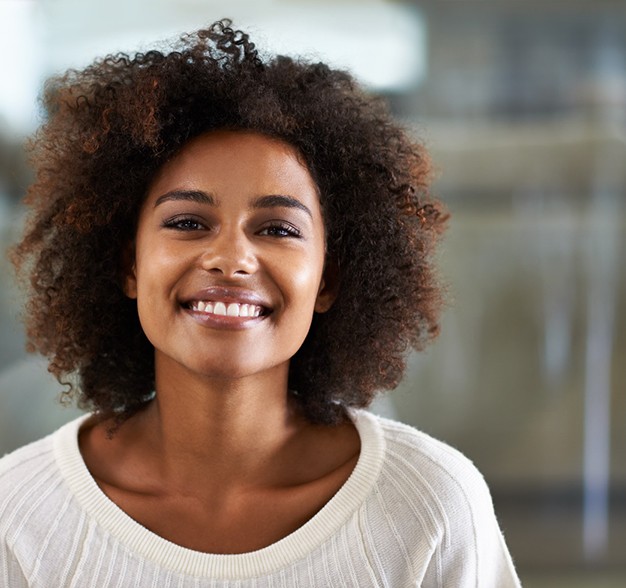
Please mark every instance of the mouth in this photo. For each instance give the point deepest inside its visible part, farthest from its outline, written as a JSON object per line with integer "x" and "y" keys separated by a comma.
{"x": 227, "y": 308}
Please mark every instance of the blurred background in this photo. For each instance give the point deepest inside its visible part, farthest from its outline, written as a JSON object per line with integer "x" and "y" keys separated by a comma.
{"x": 523, "y": 105}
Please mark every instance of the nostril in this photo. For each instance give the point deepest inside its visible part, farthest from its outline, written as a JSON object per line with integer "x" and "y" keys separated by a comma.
{"x": 228, "y": 261}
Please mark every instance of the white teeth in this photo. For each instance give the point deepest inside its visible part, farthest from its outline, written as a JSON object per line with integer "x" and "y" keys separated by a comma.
{"x": 232, "y": 309}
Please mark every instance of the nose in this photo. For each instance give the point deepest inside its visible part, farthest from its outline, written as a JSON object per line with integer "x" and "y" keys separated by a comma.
{"x": 230, "y": 253}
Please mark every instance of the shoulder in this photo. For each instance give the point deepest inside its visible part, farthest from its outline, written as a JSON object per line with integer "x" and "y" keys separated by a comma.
{"x": 24, "y": 476}
{"x": 429, "y": 461}
{"x": 31, "y": 475}
{"x": 431, "y": 493}
{"x": 39, "y": 516}
{"x": 25, "y": 464}
{"x": 430, "y": 482}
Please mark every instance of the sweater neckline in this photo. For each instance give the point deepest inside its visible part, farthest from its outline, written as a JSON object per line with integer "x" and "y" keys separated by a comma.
{"x": 295, "y": 546}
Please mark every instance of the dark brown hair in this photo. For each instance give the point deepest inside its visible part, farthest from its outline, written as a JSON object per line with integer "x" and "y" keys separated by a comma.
{"x": 109, "y": 129}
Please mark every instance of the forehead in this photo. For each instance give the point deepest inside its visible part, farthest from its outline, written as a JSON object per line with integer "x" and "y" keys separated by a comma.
{"x": 228, "y": 159}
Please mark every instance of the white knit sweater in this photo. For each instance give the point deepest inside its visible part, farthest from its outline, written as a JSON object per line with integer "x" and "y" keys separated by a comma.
{"x": 414, "y": 512}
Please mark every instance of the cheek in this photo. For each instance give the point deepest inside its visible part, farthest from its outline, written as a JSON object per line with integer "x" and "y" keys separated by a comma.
{"x": 157, "y": 271}
{"x": 305, "y": 279}
{"x": 157, "y": 264}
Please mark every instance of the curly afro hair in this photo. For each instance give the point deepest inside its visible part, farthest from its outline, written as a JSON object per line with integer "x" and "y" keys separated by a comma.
{"x": 109, "y": 129}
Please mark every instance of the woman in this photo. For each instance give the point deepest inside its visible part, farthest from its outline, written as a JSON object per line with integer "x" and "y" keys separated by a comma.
{"x": 227, "y": 258}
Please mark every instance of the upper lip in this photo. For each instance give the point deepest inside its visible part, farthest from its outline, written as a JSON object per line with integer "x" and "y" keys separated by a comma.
{"x": 228, "y": 294}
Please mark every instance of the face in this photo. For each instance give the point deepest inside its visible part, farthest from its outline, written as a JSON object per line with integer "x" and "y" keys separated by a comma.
{"x": 228, "y": 260}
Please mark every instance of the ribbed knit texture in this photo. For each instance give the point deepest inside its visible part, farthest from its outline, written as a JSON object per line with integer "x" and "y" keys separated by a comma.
{"x": 414, "y": 512}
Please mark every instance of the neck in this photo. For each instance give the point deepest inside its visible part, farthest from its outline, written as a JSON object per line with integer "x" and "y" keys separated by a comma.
{"x": 232, "y": 429}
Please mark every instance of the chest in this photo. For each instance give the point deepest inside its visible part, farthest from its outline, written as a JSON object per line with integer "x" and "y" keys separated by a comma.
{"x": 238, "y": 522}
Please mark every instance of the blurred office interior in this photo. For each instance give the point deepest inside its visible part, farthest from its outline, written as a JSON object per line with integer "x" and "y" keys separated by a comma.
{"x": 523, "y": 105}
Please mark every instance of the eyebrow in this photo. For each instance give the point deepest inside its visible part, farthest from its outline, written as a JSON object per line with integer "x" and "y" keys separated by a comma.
{"x": 276, "y": 200}
{"x": 269, "y": 201}
{"x": 191, "y": 195}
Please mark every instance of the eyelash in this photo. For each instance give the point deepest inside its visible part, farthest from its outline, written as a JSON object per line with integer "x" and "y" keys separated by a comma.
{"x": 290, "y": 230}
{"x": 184, "y": 224}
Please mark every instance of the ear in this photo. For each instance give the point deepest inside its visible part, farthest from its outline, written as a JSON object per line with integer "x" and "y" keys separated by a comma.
{"x": 329, "y": 286}
{"x": 129, "y": 277}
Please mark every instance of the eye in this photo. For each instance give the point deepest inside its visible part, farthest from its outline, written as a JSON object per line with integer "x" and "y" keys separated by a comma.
{"x": 184, "y": 223}
{"x": 280, "y": 230}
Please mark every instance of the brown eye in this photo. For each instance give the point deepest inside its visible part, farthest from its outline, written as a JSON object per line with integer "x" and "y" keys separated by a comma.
{"x": 184, "y": 224}
{"x": 280, "y": 230}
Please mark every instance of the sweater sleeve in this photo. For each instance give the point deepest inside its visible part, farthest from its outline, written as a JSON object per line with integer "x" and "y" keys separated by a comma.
{"x": 473, "y": 553}
{"x": 11, "y": 574}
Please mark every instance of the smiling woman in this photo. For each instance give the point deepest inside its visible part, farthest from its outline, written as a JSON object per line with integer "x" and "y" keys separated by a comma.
{"x": 229, "y": 257}
{"x": 234, "y": 221}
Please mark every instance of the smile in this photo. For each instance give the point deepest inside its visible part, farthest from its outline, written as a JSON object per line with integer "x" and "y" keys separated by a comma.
{"x": 232, "y": 309}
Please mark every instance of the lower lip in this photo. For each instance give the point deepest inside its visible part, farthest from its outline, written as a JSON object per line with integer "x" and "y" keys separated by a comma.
{"x": 217, "y": 321}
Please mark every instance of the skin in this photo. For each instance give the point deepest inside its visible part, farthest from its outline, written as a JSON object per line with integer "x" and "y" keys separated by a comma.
{"x": 221, "y": 461}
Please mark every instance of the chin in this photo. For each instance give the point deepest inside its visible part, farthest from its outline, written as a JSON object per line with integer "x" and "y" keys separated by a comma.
{"x": 229, "y": 370}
